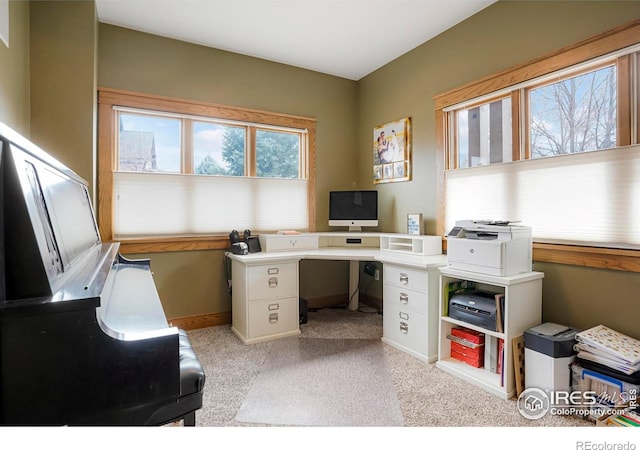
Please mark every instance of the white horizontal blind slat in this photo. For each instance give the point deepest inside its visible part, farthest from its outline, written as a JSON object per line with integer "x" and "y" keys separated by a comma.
{"x": 590, "y": 198}
{"x": 150, "y": 204}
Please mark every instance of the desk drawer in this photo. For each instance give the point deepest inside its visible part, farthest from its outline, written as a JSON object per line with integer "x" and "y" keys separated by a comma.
{"x": 285, "y": 243}
{"x": 403, "y": 297}
{"x": 405, "y": 277}
{"x": 278, "y": 280}
{"x": 405, "y": 327}
{"x": 273, "y": 317}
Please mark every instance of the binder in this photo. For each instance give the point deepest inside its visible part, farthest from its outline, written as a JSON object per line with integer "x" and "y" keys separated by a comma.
{"x": 501, "y": 361}
{"x": 611, "y": 348}
{"x": 499, "y": 313}
{"x": 491, "y": 353}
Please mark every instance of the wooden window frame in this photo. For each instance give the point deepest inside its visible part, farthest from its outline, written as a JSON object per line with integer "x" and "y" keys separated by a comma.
{"x": 605, "y": 43}
{"x": 452, "y": 126}
{"x": 108, "y": 98}
{"x": 622, "y": 106}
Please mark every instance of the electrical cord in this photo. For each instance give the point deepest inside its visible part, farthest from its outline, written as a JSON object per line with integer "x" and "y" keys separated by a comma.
{"x": 227, "y": 270}
{"x": 368, "y": 285}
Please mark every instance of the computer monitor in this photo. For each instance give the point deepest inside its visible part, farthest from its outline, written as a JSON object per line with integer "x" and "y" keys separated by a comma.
{"x": 353, "y": 209}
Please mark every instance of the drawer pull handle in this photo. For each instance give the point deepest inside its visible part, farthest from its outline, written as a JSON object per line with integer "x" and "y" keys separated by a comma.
{"x": 404, "y": 327}
{"x": 273, "y": 317}
{"x": 404, "y": 298}
{"x": 273, "y": 282}
{"x": 403, "y": 316}
{"x": 273, "y": 271}
{"x": 404, "y": 278}
{"x": 273, "y": 307}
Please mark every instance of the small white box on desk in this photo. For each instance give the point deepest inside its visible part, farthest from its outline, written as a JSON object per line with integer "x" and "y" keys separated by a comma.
{"x": 288, "y": 242}
{"x": 421, "y": 245}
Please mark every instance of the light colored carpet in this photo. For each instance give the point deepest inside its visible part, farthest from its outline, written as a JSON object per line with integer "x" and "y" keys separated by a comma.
{"x": 323, "y": 382}
{"x": 428, "y": 396}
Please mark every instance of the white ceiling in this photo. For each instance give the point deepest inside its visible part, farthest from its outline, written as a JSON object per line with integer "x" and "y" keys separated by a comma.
{"x": 345, "y": 38}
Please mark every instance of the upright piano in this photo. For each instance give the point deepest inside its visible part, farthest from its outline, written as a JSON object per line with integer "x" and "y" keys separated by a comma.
{"x": 83, "y": 336}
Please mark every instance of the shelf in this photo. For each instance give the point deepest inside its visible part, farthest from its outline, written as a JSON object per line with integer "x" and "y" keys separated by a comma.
{"x": 407, "y": 245}
{"x": 415, "y": 244}
{"x": 491, "y": 279}
{"x": 473, "y": 327}
{"x": 522, "y": 310}
{"x": 480, "y": 377}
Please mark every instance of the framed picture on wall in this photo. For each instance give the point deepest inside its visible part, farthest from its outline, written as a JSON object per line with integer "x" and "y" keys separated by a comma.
{"x": 392, "y": 151}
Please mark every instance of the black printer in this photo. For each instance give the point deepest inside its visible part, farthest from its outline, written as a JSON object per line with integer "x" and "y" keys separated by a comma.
{"x": 477, "y": 308}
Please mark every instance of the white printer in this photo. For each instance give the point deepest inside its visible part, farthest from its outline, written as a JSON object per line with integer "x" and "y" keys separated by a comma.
{"x": 490, "y": 247}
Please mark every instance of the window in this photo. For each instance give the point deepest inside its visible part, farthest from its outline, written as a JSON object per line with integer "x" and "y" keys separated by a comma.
{"x": 148, "y": 143}
{"x": 574, "y": 115}
{"x": 554, "y": 144}
{"x": 277, "y": 154}
{"x": 218, "y": 149}
{"x": 484, "y": 134}
{"x": 181, "y": 175}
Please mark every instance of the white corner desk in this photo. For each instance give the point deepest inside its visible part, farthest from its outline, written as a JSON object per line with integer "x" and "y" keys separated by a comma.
{"x": 265, "y": 295}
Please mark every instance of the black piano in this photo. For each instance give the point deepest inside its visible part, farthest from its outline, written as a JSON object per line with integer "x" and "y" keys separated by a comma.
{"x": 83, "y": 336}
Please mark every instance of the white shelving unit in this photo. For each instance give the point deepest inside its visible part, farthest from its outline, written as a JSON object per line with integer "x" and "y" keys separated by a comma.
{"x": 522, "y": 310}
{"x": 423, "y": 245}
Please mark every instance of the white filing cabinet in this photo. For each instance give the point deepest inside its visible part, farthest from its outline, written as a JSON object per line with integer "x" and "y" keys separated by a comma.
{"x": 265, "y": 300}
{"x": 410, "y": 319}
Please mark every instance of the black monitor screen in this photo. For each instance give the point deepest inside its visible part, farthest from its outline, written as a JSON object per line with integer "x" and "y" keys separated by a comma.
{"x": 353, "y": 205}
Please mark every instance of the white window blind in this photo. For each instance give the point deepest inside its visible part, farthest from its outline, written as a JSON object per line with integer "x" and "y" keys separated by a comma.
{"x": 152, "y": 204}
{"x": 590, "y": 198}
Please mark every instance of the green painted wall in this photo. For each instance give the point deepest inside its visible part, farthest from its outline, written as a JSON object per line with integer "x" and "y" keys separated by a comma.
{"x": 192, "y": 283}
{"x": 47, "y": 89}
{"x": 501, "y": 36}
{"x": 63, "y": 83}
{"x": 142, "y": 62}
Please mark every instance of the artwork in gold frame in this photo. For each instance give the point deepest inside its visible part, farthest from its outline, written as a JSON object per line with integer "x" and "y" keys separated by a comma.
{"x": 392, "y": 151}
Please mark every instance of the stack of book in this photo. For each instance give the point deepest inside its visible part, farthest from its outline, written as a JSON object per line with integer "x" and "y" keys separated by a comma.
{"x": 609, "y": 348}
{"x": 607, "y": 363}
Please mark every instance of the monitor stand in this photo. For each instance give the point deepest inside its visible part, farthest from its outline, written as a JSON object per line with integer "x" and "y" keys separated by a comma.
{"x": 356, "y": 228}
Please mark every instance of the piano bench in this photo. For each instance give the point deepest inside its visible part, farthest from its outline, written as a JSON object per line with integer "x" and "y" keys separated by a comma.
{"x": 191, "y": 372}
{"x": 192, "y": 380}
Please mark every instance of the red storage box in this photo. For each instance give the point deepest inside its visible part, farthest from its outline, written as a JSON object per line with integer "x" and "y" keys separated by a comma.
{"x": 468, "y": 335}
{"x": 472, "y": 356}
{"x": 467, "y": 346}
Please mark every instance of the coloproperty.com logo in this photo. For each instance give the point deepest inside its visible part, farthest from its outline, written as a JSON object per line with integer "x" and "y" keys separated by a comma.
{"x": 534, "y": 403}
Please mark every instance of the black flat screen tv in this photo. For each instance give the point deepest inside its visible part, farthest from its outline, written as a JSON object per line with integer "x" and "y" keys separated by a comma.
{"x": 353, "y": 209}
